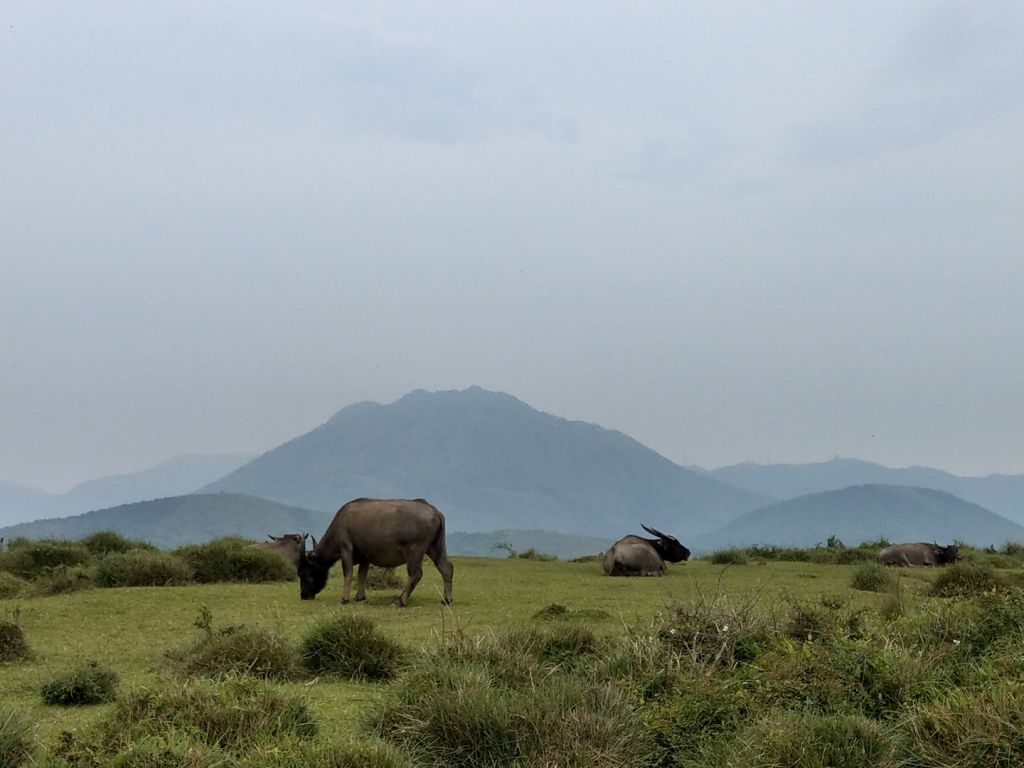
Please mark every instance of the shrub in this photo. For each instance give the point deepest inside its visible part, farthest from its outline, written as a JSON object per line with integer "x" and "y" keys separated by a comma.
{"x": 11, "y": 585}
{"x": 352, "y": 647}
{"x": 732, "y": 556}
{"x": 105, "y": 542}
{"x": 13, "y": 646}
{"x": 966, "y": 580}
{"x": 142, "y": 568}
{"x": 17, "y": 744}
{"x": 87, "y": 684}
{"x": 230, "y": 560}
{"x": 873, "y": 577}
{"x": 29, "y": 558}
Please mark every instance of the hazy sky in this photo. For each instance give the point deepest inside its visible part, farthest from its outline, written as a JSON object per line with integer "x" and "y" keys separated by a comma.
{"x": 734, "y": 231}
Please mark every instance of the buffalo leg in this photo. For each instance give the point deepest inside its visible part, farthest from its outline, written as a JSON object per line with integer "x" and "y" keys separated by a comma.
{"x": 446, "y": 569}
{"x": 415, "y": 570}
{"x": 346, "y": 588}
{"x": 364, "y": 568}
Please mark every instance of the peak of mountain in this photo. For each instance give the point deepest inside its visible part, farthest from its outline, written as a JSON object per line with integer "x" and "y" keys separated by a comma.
{"x": 866, "y": 513}
{"x": 489, "y": 461}
{"x": 1003, "y": 494}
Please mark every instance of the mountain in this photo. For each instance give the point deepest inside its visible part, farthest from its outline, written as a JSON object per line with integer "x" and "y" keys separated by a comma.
{"x": 176, "y": 476}
{"x": 180, "y": 520}
{"x": 1003, "y": 494}
{"x": 489, "y": 461}
{"x": 865, "y": 513}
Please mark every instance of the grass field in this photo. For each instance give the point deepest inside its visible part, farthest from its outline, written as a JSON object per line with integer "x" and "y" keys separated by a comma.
{"x": 130, "y": 629}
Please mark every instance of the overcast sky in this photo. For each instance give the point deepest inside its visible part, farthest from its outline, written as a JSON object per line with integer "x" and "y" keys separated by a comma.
{"x": 735, "y": 231}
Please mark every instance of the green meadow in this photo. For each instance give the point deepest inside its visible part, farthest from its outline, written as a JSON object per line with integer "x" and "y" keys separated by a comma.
{"x": 712, "y": 664}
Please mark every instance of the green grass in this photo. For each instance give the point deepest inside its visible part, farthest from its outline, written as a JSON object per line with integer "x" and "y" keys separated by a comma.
{"x": 811, "y": 611}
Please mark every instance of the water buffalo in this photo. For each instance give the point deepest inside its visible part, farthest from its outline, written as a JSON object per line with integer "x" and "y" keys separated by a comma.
{"x": 919, "y": 553}
{"x": 287, "y": 545}
{"x": 637, "y": 556}
{"x": 383, "y": 532}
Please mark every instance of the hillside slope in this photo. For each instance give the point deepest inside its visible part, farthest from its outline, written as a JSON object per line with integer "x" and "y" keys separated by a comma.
{"x": 489, "y": 461}
{"x": 1003, "y": 494}
{"x": 180, "y": 520}
{"x": 866, "y": 513}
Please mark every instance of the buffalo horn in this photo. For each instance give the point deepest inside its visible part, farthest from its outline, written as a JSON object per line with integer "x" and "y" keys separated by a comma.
{"x": 655, "y": 532}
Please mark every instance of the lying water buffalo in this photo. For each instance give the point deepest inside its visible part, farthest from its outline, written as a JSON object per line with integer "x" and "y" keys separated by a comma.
{"x": 384, "y": 532}
{"x": 287, "y": 545}
{"x": 637, "y": 556}
{"x": 919, "y": 553}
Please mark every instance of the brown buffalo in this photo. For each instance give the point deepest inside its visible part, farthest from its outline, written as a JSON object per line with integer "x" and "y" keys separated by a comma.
{"x": 383, "y": 532}
{"x": 287, "y": 545}
{"x": 637, "y": 556}
{"x": 919, "y": 553}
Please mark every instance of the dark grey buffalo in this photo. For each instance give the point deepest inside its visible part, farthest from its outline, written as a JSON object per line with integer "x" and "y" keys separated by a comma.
{"x": 383, "y": 532}
{"x": 919, "y": 553}
{"x": 637, "y": 556}
{"x": 287, "y": 545}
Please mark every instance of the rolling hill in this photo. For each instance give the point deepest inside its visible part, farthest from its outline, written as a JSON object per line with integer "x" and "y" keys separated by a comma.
{"x": 180, "y": 520}
{"x": 176, "y": 476}
{"x": 489, "y": 462}
{"x": 1003, "y": 494}
{"x": 865, "y": 513}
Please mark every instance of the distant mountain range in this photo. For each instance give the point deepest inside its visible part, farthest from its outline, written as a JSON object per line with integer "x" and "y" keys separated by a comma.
{"x": 865, "y": 513}
{"x": 505, "y": 473}
{"x": 1003, "y": 494}
{"x": 489, "y": 461}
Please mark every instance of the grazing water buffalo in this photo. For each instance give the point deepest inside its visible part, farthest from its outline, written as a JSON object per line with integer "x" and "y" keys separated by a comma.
{"x": 637, "y": 556}
{"x": 287, "y": 545}
{"x": 918, "y": 554}
{"x": 384, "y": 532}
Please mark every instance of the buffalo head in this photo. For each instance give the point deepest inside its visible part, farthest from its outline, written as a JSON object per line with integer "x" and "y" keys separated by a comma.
{"x": 946, "y": 555}
{"x": 312, "y": 573}
{"x": 667, "y": 546}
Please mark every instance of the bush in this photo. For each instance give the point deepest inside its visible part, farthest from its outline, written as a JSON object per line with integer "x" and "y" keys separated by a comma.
{"x": 732, "y": 556}
{"x": 30, "y": 558}
{"x": 230, "y": 560}
{"x": 13, "y": 646}
{"x": 966, "y": 580}
{"x": 106, "y": 542}
{"x": 87, "y": 684}
{"x": 142, "y": 568}
{"x": 873, "y": 577}
{"x": 352, "y": 647}
{"x": 11, "y": 585}
{"x": 17, "y": 744}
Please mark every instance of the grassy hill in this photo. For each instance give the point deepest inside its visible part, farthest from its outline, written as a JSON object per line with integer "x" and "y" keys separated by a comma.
{"x": 182, "y": 520}
{"x": 490, "y": 462}
{"x": 865, "y": 513}
{"x": 1003, "y": 494}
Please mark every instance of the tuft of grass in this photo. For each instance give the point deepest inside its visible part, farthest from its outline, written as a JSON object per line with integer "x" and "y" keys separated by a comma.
{"x": 89, "y": 683}
{"x": 873, "y": 577}
{"x": 294, "y": 753}
{"x": 17, "y": 744}
{"x": 30, "y": 558}
{"x": 142, "y": 568}
{"x": 103, "y": 543}
{"x": 229, "y": 559}
{"x": 383, "y": 578}
{"x": 732, "y": 556}
{"x": 557, "y": 611}
{"x": 11, "y": 585}
{"x": 235, "y": 651}
{"x": 715, "y": 632}
{"x": 64, "y": 579}
{"x": 13, "y": 646}
{"x": 966, "y": 580}
{"x": 352, "y": 647}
